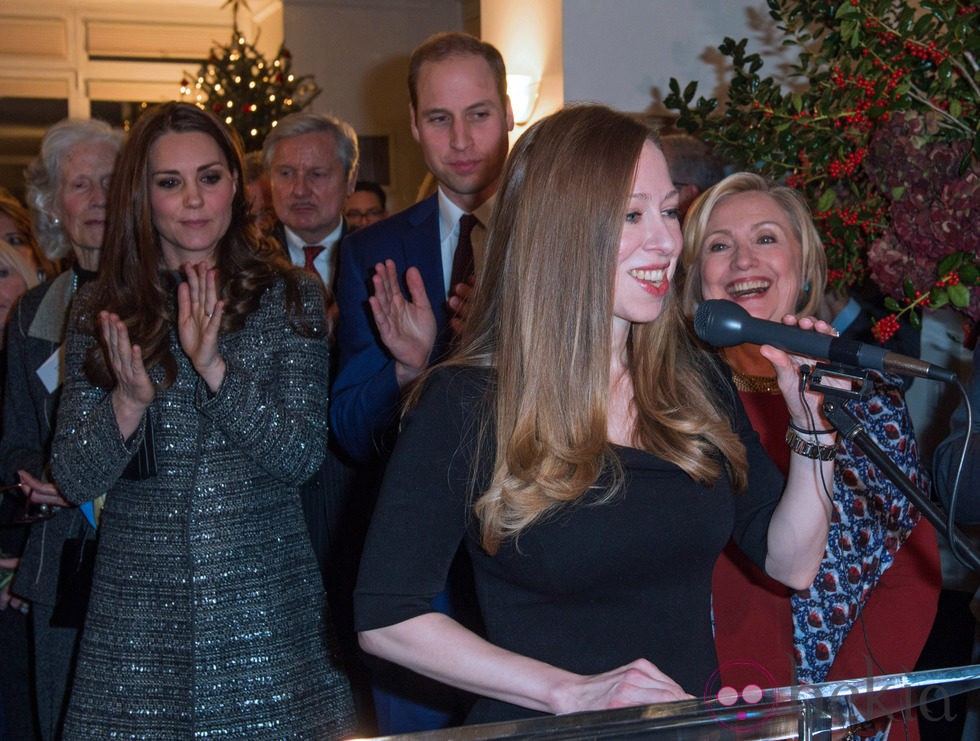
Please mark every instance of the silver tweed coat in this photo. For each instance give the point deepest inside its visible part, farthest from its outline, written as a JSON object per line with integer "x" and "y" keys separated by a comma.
{"x": 207, "y": 617}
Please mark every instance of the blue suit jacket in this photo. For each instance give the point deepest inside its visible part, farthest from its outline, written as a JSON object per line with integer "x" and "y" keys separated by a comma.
{"x": 365, "y": 398}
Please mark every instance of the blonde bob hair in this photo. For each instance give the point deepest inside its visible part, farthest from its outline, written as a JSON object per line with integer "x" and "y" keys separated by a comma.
{"x": 11, "y": 259}
{"x": 542, "y": 319}
{"x": 813, "y": 268}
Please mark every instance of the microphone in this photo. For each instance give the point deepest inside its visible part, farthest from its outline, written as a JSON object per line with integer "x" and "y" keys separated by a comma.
{"x": 724, "y": 323}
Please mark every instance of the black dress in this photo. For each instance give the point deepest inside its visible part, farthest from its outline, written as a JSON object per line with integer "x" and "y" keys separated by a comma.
{"x": 593, "y": 587}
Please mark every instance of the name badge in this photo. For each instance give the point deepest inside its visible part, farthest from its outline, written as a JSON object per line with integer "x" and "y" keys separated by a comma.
{"x": 50, "y": 370}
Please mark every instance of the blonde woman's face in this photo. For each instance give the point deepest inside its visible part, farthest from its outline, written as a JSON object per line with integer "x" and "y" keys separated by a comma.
{"x": 12, "y": 286}
{"x": 650, "y": 243}
{"x": 13, "y": 236}
{"x": 750, "y": 255}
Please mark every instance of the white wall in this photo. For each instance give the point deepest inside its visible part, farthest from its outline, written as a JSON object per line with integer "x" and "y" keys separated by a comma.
{"x": 358, "y": 52}
{"x": 620, "y": 52}
{"x": 611, "y": 51}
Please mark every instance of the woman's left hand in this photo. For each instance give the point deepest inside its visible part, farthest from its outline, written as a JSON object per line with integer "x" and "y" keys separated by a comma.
{"x": 806, "y": 413}
{"x": 41, "y": 492}
{"x": 198, "y": 321}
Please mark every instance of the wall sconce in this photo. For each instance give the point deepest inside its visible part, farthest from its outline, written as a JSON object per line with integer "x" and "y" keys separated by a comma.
{"x": 523, "y": 93}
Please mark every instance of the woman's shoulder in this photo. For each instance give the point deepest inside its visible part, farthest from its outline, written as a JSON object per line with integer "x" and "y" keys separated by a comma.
{"x": 459, "y": 379}
{"x": 451, "y": 387}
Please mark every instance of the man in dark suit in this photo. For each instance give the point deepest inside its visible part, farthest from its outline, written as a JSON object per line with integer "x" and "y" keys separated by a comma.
{"x": 460, "y": 115}
{"x": 311, "y": 160}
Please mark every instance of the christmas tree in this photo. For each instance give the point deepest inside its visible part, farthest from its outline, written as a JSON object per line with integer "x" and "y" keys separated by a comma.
{"x": 249, "y": 92}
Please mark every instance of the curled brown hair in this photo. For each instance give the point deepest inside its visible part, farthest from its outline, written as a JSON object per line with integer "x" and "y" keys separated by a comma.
{"x": 133, "y": 280}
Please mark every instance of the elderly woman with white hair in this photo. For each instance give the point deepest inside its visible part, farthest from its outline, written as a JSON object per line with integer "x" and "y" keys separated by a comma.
{"x": 66, "y": 191}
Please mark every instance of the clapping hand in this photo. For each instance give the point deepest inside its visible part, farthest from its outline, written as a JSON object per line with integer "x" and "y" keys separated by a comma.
{"x": 407, "y": 328}
{"x": 134, "y": 390}
{"x": 198, "y": 321}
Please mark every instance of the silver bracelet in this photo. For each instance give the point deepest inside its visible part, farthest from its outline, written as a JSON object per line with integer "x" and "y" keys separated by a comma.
{"x": 815, "y": 451}
{"x": 811, "y": 432}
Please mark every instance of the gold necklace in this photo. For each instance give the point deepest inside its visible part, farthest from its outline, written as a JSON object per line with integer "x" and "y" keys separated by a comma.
{"x": 755, "y": 384}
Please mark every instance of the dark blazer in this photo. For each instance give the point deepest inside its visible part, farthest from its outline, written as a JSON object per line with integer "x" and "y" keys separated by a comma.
{"x": 278, "y": 233}
{"x": 365, "y": 393}
{"x": 330, "y": 497}
{"x": 36, "y": 330}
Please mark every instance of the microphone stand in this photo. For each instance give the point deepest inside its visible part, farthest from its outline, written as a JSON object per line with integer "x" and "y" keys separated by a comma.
{"x": 851, "y": 428}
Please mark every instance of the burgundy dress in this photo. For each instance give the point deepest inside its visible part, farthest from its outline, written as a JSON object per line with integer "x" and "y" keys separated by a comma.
{"x": 872, "y": 605}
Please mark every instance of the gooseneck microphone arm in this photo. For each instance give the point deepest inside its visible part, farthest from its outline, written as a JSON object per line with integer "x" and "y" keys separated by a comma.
{"x": 724, "y": 323}
{"x": 851, "y": 429}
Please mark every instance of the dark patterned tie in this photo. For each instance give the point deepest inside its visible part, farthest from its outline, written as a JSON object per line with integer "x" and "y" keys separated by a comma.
{"x": 463, "y": 266}
{"x": 311, "y": 251}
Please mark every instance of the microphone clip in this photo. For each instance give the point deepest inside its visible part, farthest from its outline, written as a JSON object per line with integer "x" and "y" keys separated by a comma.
{"x": 860, "y": 381}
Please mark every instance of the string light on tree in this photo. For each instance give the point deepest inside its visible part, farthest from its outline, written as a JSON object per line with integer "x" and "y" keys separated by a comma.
{"x": 248, "y": 91}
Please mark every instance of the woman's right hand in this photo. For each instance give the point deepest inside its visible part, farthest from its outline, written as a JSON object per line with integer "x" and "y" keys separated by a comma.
{"x": 134, "y": 390}
{"x": 638, "y": 683}
{"x": 407, "y": 328}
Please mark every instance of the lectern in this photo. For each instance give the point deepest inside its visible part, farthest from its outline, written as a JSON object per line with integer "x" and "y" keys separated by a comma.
{"x": 816, "y": 712}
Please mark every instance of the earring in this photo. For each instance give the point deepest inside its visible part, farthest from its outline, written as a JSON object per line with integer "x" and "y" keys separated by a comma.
{"x": 806, "y": 287}
{"x": 55, "y": 221}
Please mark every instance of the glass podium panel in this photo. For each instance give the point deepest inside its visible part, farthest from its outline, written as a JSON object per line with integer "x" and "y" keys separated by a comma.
{"x": 818, "y": 711}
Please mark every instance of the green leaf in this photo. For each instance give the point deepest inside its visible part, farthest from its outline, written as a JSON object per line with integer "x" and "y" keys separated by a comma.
{"x": 948, "y": 263}
{"x": 690, "y": 90}
{"x": 969, "y": 274}
{"x": 915, "y": 320}
{"x": 959, "y": 296}
{"x": 939, "y": 299}
{"x": 891, "y": 304}
{"x": 827, "y": 199}
{"x": 908, "y": 289}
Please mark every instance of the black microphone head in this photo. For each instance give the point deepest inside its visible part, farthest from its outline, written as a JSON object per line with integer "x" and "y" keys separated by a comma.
{"x": 720, "y": 323}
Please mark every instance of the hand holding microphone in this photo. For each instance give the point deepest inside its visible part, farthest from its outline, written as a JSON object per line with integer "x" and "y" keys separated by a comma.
{"x": 724, "y": 323}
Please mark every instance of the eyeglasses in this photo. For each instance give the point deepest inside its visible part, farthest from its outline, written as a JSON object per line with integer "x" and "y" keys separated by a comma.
{"x": 354, "y": 215}
{"x": 31, "y": 512}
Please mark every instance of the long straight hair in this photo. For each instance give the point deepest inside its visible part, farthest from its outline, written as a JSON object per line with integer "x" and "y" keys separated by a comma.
{"x": 133, "y": 281}
{"x": 542, "y": 319}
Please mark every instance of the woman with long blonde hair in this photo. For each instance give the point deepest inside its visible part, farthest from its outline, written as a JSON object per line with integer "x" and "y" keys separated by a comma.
{"x": 586, "y": 450}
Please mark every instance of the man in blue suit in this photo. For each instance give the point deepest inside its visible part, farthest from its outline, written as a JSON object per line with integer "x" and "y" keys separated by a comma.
{"x": 394, "y": 285}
